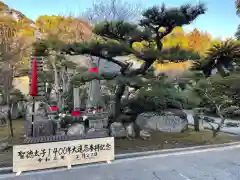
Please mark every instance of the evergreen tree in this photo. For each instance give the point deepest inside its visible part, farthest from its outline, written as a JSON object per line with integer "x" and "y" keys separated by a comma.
{"x": 117, "y": 38}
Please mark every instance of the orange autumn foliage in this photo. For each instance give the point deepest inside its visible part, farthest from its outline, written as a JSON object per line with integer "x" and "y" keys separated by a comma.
{"x": 173, "y": 69}
{"x": 198, "y": 41}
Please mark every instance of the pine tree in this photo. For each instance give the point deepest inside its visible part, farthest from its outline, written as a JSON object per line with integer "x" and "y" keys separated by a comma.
{"x": 117, "y": 38}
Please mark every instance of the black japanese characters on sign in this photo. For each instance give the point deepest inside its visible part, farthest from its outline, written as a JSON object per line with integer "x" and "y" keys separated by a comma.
{"x": 85, "y": 151}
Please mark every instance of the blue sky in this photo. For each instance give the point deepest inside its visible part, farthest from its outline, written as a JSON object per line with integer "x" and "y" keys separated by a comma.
{"x": 220, "y": 20}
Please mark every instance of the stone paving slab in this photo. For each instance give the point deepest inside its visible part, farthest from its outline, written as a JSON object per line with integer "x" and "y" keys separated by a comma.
{"x": 211, "y": 165}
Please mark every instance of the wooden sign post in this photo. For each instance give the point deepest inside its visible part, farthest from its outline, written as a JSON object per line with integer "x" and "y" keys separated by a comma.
{"x": 60, "y": 154}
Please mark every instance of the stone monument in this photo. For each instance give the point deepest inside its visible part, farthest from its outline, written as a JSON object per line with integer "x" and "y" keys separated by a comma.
{"x": 165, "y": 122}
{"x": 94, "y": 88}
{"x": 42, "y": 125}
{"x": 76, "y": 98}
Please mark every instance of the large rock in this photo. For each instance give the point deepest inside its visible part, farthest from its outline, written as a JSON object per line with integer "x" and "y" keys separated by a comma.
{"x": 77, "y": 129}
{"x": 178, "y": 112}
{"x": 144, "y": 134}
{"x": 117, "y": 130}
{"x": 166, "y": 122}
{"x": 97, "y": 133}
{"x": 130, "y": 130}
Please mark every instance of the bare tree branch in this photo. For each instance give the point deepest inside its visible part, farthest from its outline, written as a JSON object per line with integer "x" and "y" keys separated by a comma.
{"x": 112, "y": 10}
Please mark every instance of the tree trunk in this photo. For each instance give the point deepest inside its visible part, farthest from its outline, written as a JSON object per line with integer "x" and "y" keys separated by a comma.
{"x": 5, "y": 87}
{"x": 215, "y": 132}
{"x": 64, "y": 84}
{"x": 64, "y": 79}
{"x": 9, "y": 79}
{"x": 196, "y": 124}
{"x": 118, "y": 96}
{"x": 196, "y": 121}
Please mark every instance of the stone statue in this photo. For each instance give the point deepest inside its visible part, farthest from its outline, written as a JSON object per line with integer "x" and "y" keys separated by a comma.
{"x": 94, "y": 88}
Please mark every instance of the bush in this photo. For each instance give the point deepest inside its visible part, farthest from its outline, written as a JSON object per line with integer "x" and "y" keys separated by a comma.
{"x": 191, "y": 100}
{"x": 16, "y": 95}
{"x": 156, "y": 96}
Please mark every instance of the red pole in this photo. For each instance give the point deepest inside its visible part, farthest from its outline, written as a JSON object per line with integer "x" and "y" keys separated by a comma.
{"x": 34, "y": 89}
{"x": 34, "y": 84}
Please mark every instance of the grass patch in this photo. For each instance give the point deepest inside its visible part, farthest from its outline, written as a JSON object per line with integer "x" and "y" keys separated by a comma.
{"x": 18, "y": 129}
{"x": 159, "y": 140}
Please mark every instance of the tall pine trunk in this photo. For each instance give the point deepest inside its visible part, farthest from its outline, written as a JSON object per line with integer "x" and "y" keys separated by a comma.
{"x": 118, "y": 97}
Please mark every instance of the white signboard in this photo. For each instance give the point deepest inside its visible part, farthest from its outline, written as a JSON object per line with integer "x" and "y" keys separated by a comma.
{"x": 60, "y": 154}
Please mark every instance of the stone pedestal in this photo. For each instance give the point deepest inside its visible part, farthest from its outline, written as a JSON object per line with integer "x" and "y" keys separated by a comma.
{"x": 41, "y": 126}
{"x": 98, "y": 123}
{"x": 117, "y": 130}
